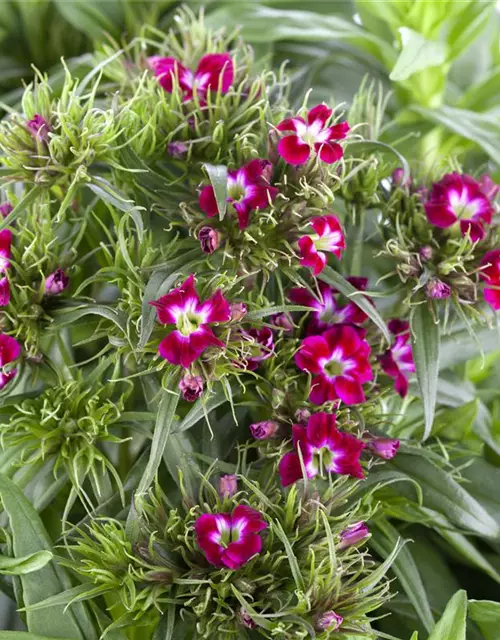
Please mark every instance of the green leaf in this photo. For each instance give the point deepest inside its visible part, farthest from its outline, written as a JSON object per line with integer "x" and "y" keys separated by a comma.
{"x": 486, "y": 614}
{"x": 87, "y": 17}
{"x": 201, "y": 408}
{"x": 26, "y": 564}
{"x": 452, "y": 623}
{"x": 258, "y": 314}
{"x": 417, "y": 54}
{"x": 29, "y": 536}
{"x": 164, "y": 421}
{"x": 110, "y": 194}
{"x": 21, "y": 635}
{"x": 218, "y": 178}
{"x": 159, "y": 284}
{"x": 30, "y": 197}
{"x": 381, "y": 147}
{"x": 68, "y": 317}
{"x": 334, "y": 279}
{"x": 383, "y": 539}
{"x": 425, "y": 346}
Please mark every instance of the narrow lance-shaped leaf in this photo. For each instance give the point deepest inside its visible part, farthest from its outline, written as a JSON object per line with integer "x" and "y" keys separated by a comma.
{"x": 486, "y": 614}
{"x": 452, "y": 624}
{"x": 417, "y": 54}
{"x": 218, "y": 178}
{"x": 24, "y": 564}
{"x": 425, "y": 346}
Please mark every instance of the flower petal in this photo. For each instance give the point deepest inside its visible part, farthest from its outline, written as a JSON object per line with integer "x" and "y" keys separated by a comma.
{"x": 312, "y": 350}
{"x": 293, "y": 150}
{"x": 216, "y": 308}
{"x": 328, "y": 152}
{"x": 320, "y": 113}
{"x": 214, "y": 70}
{"x": 239, "y": 553}
{"x": 207, "y": 201}
{"x": 292, "y": 124}
{"x": 289, "y": 469}
{"x": 4, "y": 292}
{"x": 349, "y": 390}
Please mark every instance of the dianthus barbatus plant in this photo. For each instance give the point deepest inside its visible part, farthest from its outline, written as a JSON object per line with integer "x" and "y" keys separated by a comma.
{"x": 184, "y": 306}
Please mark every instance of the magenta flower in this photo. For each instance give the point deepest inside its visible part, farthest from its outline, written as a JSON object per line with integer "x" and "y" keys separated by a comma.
{"x": 192, "y": 335}
{"x": 261, "y": 345}
{"x": 385, "y": 448}
{"x": 5, "y": 209}
{"x": 322, "y": 447}
{"x": 488, "y": 187}
{"x": 214, "y": 71}
{"x": 209, "y": 239}
{"x": 264, "y": 430}
{"x": 438, "y": 289}
{"x": 191, "y": 387}
{"x": 329, "y": 621}
{"x": 248, "y": 189}
{"x": 228, "y": 486}
{"x": 4, "y": 292}
{"x": 458, "y": 199}
{"x": 39, "y": 127}
{"x": 353, "y": 534}
{"x": 56, "y": 283}
{"x": 328, "y": 237}
{"x": 296, "y": 148}
{"x": 327, "y": 312}
{"x": 339, "y": 362}
{"x": 5, "y": 243}
{"x": 177, "y": 149}
{"x": 490, "y": 273}
{"x": 230, "y": 539}
{"x": 10, "y": 350}
{"x": 397, "y": 361}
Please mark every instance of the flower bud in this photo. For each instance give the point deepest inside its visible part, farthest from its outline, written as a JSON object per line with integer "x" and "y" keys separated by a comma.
{"x": 353, "y": 534}
{"x": 238, "y": 311}
{"x": 438, "y": 289}
{"x": 56, "y": 283}
{"x": 426, "y": 252}
{"x": 398, "y": 178}
{"x": 191, "y": 387}
{"x": 385, "y": 448}
{"x": 488, "y": 187}
{"x": 4, "y": 292}
{"x": 246, "y": 620}
{"x": 228, "y": 486}
{"x": 272, "y": 146}
{"x": 177, "y": 150}
{"x": 329, "y": 621}
{"x": 5, "y": 209}
{"x": 264, "y": 430}
{"x": 209, "y": 239}
{"x": 283, "y": 321}
{"x": 39, "y": 127}
{"x": 302, "y": 415}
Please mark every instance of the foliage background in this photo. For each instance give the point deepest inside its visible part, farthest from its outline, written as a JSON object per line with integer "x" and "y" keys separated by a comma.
{"x": 441, "y": 62}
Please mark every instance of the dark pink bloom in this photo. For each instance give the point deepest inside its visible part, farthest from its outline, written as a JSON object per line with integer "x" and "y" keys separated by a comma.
{"x": 39, "y": 127}
{"x": 230, "y": 539}
{"x": 248, "y": 189}
{"x": 313, "y": 133}
{"x": 327, "y": 312}
{"x": 214, "y": 71}
{"x": 261, "y": 345}
{"x": 228, "y": 486}
{"x": 5, "y": 242}
{"x": 385, "y": 448}
{"x": 264, "y": 430}
{"x": 328, "y": 237}
{"x": 10, "y": 350}
{"x": 488, "y": 187}
{"x": 397, "y": 361}
{"x": 490, "y": 273}
{"x": 5, "y": 209}
{"x": 329, "y": 621}
{"x": 458, "y": 199}
{"x": 438, "y": 289}
{"x": 4, "y": 292}
{"x": 353, "y": 534}
{"x": 322, "y": 447}
{"x": 339, "y": 362}
{"x": 56, "y": 283}
{"x": 192, "y": 335}
{"x": 191, "y": 387}
{"x": 209, "y": 239}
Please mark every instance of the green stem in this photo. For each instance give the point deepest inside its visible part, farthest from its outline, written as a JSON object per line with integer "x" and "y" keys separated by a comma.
{"x": 355, "y": 234}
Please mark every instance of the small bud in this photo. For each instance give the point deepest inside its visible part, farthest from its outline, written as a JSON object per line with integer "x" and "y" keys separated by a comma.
{"x": 438, "y": 289}
{"x": 39, "y": 127}
{"x": 264, "y": 430}
{"x": 385, "y": 448}
{"x": 191, "y": 387}
{"x": 267, "y": 170}
{"x": 426, "y": 252}
{"x": 329, "y": 621}
{"x": 238, "y": 311}
{"x": 272, "y": 146}
{"x": 177, "y": 150}
{"x": 228, "y": 486}
{"x": 4, "y": 292}
{"x": 398, "y": 178}
{"x": 246, "y": 620}
{"x": 278, "y": 398}
{"x": 353, "y": 534}
{"x": 302, "y": 415}
{"x": 488, "y": 187}
{"x": 209, "y": 239}
{"x": 5, "y": 209}
{"x": 56, "y": 283}
{"x": 283, "y": 321}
